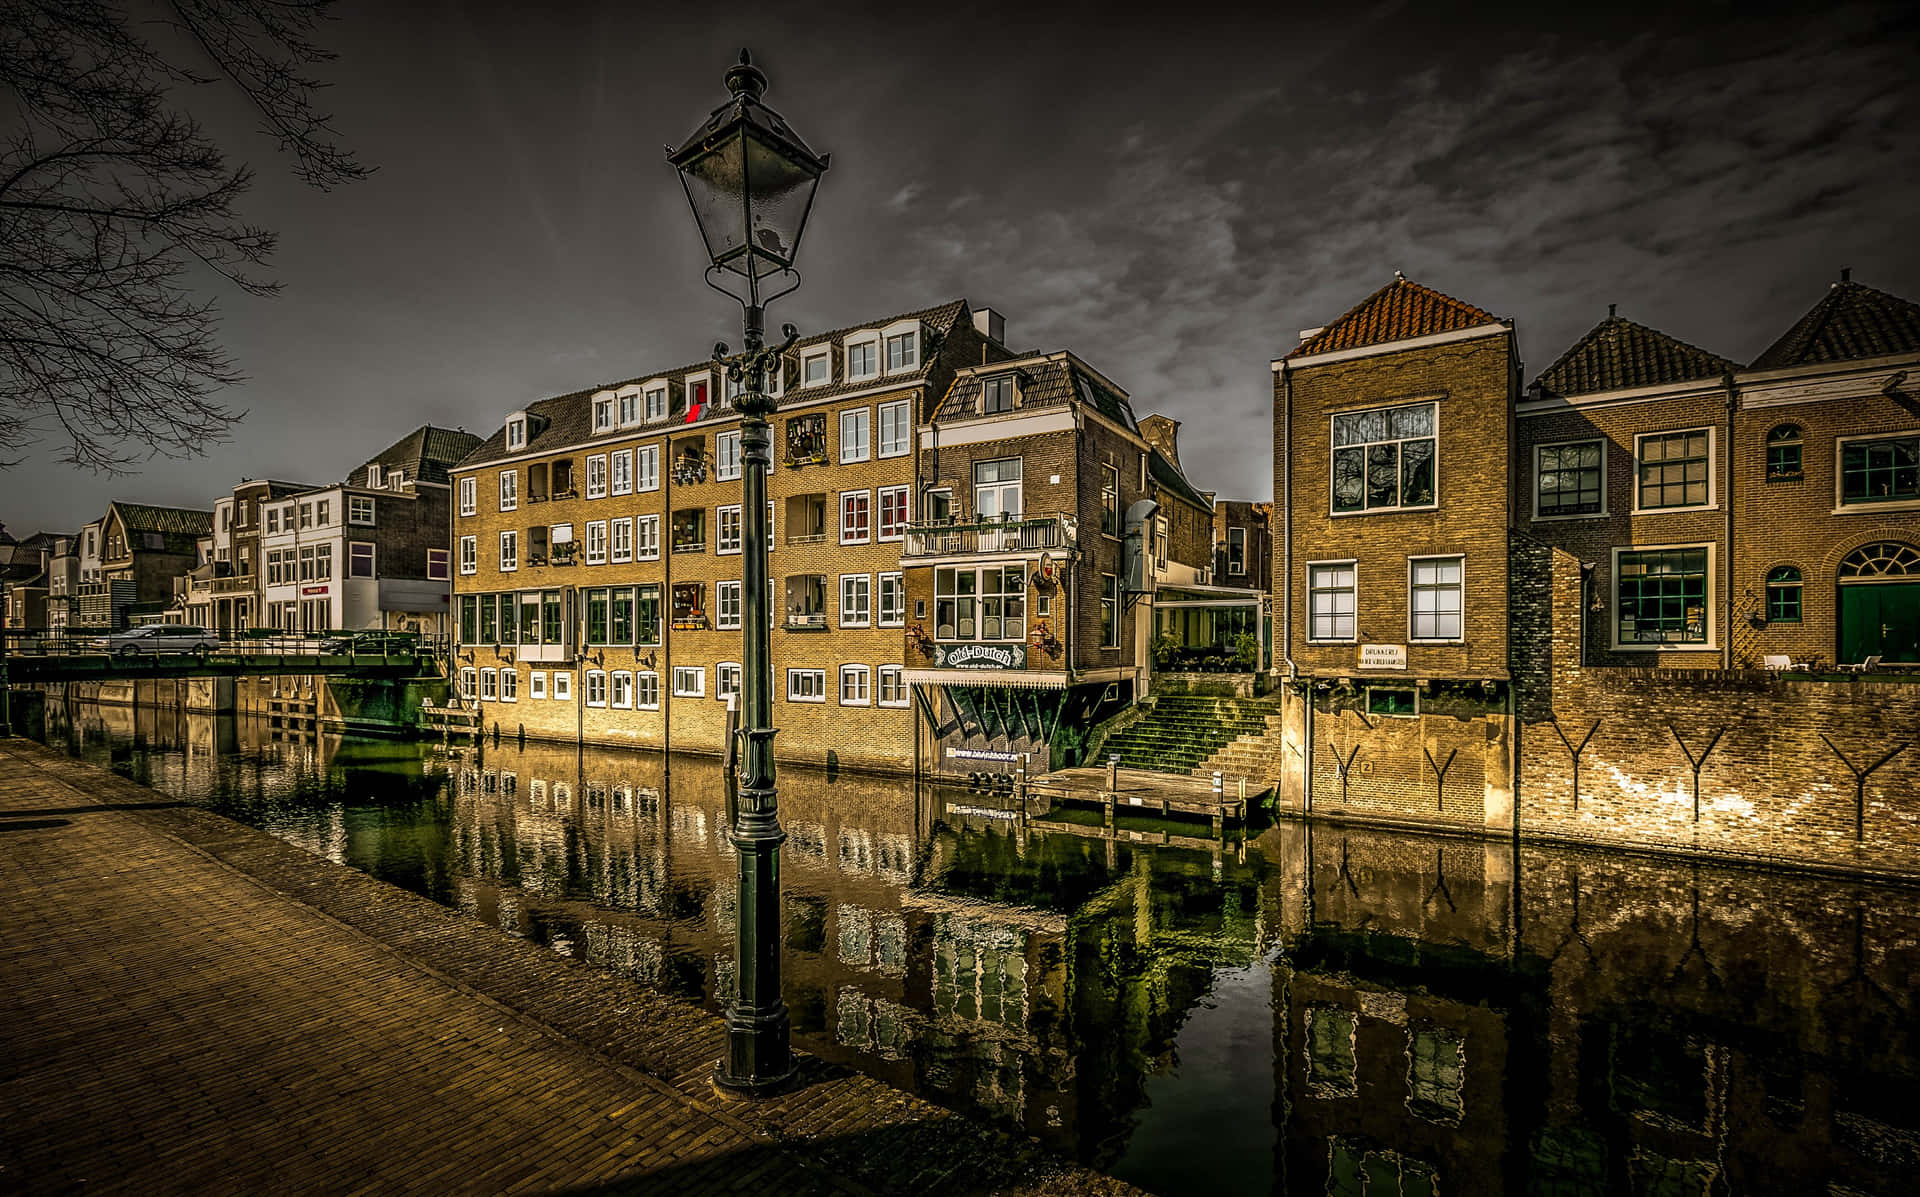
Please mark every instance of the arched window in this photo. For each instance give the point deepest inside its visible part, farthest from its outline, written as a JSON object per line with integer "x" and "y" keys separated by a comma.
{"x": 1783, "y": 452}
{"x": 1882, "y": 559}
{"x": 1783, "y": 594}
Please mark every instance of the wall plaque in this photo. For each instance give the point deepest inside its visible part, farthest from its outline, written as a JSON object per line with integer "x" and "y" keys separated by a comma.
{"x": 1383, "y": 656}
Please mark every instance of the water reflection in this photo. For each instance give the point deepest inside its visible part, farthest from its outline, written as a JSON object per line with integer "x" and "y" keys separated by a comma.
{"x": 1318, "y": 1010}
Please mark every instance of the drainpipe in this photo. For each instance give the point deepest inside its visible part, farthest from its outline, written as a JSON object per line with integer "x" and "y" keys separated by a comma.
{"x": 1726, "y": 515}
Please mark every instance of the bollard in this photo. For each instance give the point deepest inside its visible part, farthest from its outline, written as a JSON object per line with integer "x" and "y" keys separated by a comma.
{"x": 1113, "y": 771}
{"x": 1219, "y": 786}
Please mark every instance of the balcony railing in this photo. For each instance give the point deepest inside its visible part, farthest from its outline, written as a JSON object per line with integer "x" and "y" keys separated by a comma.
{"x": 1022, "y": 535}
{"x": 807, "y": 621}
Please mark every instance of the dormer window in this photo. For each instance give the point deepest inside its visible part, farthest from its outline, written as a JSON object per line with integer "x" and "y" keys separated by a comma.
{"x": 863, "y": 357}
{"x": 901, "y": 343}
{"x": 628, "y": 402}
{"x": 374, "y": 477}
{"x": 655, "y": 403}
{"x": 396, "y": 479}
{"x": 516, "y": 433}
{"x": 699, "y": 394}
{"x": 816, "y": 367}
{"x": 602, "y": 412}
{"x": 996, "y": 395}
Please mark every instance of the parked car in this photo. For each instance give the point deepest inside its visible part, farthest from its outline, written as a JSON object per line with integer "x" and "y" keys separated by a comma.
{"x": 157, "y": 638}
{"x": 374, "y": 641}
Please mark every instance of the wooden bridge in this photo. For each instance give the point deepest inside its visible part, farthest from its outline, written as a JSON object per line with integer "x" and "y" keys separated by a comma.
{"x": 27, "y": 658}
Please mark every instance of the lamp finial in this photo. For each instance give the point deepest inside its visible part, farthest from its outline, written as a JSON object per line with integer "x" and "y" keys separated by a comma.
{"x": 746, "y": 80}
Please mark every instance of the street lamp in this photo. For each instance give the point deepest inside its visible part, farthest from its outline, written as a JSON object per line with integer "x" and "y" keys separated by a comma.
{"x": 750, "y": 181}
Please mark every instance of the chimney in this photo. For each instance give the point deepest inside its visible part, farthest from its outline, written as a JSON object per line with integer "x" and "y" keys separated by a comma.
{"x": 991, "y": 325}
{"x": 1308, "y": 334}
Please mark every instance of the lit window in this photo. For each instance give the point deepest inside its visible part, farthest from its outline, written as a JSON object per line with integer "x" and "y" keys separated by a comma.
{"x": 1383, "y": 459}
{"x": 1330, "y": 601}
{"x": 854, "y": 430}
{"x": 1672, "y": 469}
{"x": 855, "y": 686}
{"x": 980, "y": 603}
{"x": 1571, "y": 480}
{"x": 1434, "y": 598}
{"x": 1661, "y": 596}
{"x": 1783, "y": 594}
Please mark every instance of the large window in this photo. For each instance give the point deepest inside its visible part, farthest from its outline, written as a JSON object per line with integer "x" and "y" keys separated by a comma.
{"x": 893, "y": 512}
{"x": 855, "y": 434}
{"x": 980, "y": 603}
{"x": 1383, "y": 460}
{"x": 1434, "y": 598}
{"x": 1109, "y": 611}
{"x": 1882, "y": 470}
{"x": 726, "y": 605}
{"x": 806, "y": 685}
{"x": 1330, "y": 601}
{"x": 896, "y": 429}
{"x": 856, "y": 686}
{"x": 1661, "y": 596}
{"x": 856, "y": 516}
{"x": 1673, "y": 469}
{"x": 856, "y": 600}
{"x": 1783, "y": 594}
{"x": 646, "y": 614}
{"x": 1571, "y": 480}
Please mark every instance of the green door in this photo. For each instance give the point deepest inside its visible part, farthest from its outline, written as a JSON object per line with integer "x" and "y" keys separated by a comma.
{"x": 1880, "y": 618}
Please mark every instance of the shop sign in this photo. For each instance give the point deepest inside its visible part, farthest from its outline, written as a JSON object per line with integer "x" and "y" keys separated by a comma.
{"x": 980, "y": 656}
{"x": 983, "y": 754}
{"x": 1383, "y": 656}
{"x": 313, "y": 590}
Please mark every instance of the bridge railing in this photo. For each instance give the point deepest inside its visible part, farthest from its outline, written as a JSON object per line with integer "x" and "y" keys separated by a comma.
{"x": 354, "y": 644}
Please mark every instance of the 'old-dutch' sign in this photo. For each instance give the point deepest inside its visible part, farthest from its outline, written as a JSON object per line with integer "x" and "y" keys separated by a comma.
{"x": 980, "y": 656}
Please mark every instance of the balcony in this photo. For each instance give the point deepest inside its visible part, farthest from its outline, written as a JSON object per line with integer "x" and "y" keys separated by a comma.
{"x": 1028, "y": 534}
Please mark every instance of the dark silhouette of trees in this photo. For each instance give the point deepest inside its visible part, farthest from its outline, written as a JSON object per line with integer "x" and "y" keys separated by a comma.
{"x": 112, "y": 200}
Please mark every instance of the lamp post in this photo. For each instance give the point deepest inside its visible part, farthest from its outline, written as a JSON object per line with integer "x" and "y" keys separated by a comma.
{"x": 750, "y": 181}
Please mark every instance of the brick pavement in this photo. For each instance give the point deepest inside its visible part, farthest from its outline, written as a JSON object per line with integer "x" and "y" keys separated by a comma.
{"x": 189, "y": 1005}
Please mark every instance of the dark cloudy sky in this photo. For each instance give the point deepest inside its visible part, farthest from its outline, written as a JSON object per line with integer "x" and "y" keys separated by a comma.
{"x": 1172, "y": 196}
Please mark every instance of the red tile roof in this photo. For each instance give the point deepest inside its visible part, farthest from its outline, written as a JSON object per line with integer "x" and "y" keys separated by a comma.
{"x": 1401, "y": 310}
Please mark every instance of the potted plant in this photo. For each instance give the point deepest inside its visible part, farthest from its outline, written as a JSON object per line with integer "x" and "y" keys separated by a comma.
{"x": 1166, "y": 646}
{"x": 1246, "y": 652}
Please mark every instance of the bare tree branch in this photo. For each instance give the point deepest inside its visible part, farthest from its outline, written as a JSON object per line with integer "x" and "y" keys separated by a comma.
{"x": 110, "y": 194}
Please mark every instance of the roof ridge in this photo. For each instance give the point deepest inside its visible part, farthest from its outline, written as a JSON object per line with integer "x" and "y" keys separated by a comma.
{"x": 1851, "y": 321}
{"x": 1398, "y": 311}
{"x": 1622, "y": 343}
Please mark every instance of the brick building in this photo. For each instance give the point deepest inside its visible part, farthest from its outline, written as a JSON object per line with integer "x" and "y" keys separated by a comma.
{"x": 1051, "y": 518}
{"x": 1394, "y": 495}
{"x": 129, "y": 560}
{"x": 238, "y": 581}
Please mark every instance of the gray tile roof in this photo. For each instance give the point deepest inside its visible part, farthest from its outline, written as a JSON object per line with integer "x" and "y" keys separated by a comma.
{"x": 1618, "y": 354}
{"x": 425, "y": 454}
{"x": 1049, "y": 381}
{"x": 567, "y": 420}
{"x": 1851, "y": 321}
{"x": 169, "y": 521}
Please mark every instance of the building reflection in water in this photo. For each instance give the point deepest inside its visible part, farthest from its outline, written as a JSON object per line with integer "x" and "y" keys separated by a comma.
{"x": 1427, "y": 1015}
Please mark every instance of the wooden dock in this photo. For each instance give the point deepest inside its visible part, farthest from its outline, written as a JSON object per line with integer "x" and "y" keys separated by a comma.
{"x": 1141, "y": 791}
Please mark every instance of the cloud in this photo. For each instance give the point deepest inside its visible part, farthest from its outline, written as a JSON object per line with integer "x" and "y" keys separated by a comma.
{"x": 905, "y": 198}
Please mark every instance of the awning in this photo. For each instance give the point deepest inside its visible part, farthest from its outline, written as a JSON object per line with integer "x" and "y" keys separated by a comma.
{"x": 1027, "y": 678}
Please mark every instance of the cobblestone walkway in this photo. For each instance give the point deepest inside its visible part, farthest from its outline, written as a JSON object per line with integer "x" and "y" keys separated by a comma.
{"x": 190, "y": 1006}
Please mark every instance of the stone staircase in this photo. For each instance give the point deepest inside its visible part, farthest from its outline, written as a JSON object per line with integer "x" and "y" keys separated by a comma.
{"x": 1187, "y": 733}
{"x": 1255, "y": 756}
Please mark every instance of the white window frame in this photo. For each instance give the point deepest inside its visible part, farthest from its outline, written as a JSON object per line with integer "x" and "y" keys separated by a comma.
{"x": 901, "y": 412}
{"x": 596, "y": 546}
{"x": 469, "y": 554}
{"x": 470, "y": 684}
{"x": 603, "y": 411}
{"x": 469, "y": 495}
{"x": 862, "y": 340}
{"x": 1352, "y": 564}
{"x": 1461, "y": 586}
{"x": 628, "y": 397}
{"x": 726, "y": 464}
{"x": 878, "y": 513}
{"x": 1713, "y": 469}
{"x": 714, "y": 393}
{"x": 620, "y": 471}
{"x": 689, "y": 681}
{"x": 897, "y": 582}
{"x": 597, "y": 476}
{"x": 509, "y": 490}
{"x": 360, "y": 510}
{"x": 620, "y": 540}
{"x": 861, "y": 538}
{"x": 596, "y": 682}
{"x": 862, "y": 676}
{"x": 646, "y": 538}
{"x": 654, "y": 402}
{"x": 909, "y": 329}
{"x": 516, "y": 433}
{"x": 489, "y": 685}
{"x": 721, "y": 672}
{"x": 856, "y": 435}
{"x": 857, "y": 613}
{"x": 509, "y": 550}
{"x": 897, "y": 675}
{"x": 646, "y": 468}
{"x": 818, "y": 678}
{"x": 537, "y": 684}
{"x": 1606, "y": 499}
{"x": 722, "y": 619}
{"x": 646, "y": 690}
{"x": 807, "y": 357}
{"x": 509, "y": 685}
{"x": 1712, "y": 643}
{"x": 620, "y": 689}
{"x": 562, "y": 686}
{"x": 721, "y": 547}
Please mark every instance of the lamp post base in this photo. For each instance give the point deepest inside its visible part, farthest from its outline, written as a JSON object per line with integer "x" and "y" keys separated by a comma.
{"x": 743, "y": 1072}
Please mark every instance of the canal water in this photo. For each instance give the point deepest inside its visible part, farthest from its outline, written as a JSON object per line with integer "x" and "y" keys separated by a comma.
{"x": 1306, "y": 1009}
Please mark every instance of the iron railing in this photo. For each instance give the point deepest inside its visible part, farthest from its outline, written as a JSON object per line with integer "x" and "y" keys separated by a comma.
{"x": 1018, "y": 535}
